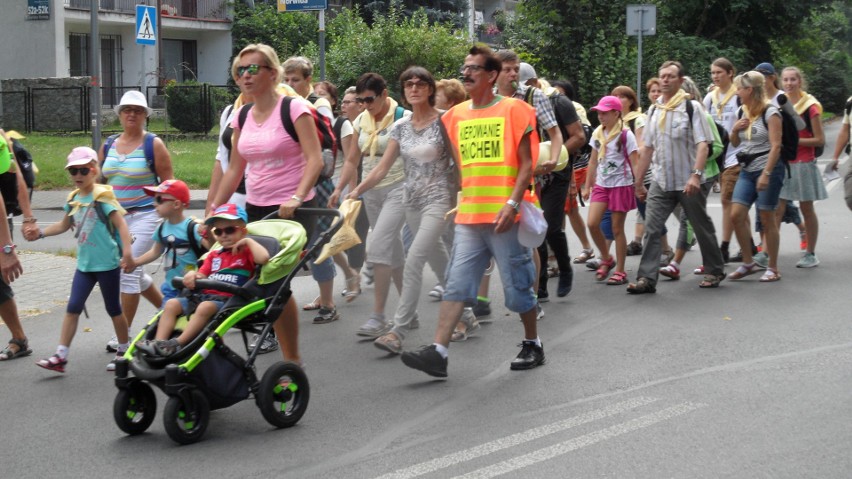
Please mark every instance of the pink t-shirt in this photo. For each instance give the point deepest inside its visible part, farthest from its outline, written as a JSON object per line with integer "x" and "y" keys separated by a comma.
{"x": 274, "y": 160}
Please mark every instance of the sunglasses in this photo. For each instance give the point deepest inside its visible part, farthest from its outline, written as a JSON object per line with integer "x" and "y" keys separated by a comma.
{"x": 252, "y": 69}
{"x": 228, "y": 230}
{"x": 411, "y": 84}
{"x": 83, "y": 171}
{"x": 365, "y": 99}
{"x": 160, "y": 199}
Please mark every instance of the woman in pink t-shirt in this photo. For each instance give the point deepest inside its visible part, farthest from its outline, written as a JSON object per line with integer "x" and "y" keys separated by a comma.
{"x": 282, "y": 172}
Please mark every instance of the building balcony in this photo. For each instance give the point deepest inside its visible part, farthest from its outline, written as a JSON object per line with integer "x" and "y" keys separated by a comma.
{"x": 194, "y": 9}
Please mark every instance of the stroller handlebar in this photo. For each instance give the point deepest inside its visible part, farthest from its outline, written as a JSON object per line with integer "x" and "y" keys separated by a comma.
{"x": 200, "y": 284}
{"x": 325, "y": 235}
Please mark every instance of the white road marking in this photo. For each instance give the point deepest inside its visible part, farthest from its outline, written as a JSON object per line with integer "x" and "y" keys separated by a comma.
{"x": 580, "y": 442}
{"x": 516, "y": 439}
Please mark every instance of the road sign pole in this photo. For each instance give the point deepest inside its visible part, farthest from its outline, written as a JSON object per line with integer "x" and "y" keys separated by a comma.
{"x": 95, "y": 75}
{"x": 639, "y": 63}
{"x": 322, "y": 44}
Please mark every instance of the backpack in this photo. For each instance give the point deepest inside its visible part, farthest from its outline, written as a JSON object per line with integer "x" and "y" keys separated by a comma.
{"x": 818, "y": 150}
{"x": 102, "y": 216}
{"x": 147, "y": 148}
{"x": 325, "y": 132}
{"x": 196, "y": 247}
{"x": 789, "y": 134}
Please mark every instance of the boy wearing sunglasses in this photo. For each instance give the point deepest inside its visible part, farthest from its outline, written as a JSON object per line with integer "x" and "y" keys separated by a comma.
{"x": 234, "y": 262}
{"x": 178, "y": 237}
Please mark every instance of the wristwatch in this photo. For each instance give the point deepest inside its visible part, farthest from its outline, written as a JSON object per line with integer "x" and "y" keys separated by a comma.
{"x": 9, "y": 248}
{"x": 514, "y": 204}
{"x": 697, "y": 172}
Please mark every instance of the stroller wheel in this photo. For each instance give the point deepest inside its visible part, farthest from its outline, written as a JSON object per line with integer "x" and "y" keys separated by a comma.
{"x": 134, "y": 408}
{"x": 185, "y": 424}
{"x": 283, "y": 395}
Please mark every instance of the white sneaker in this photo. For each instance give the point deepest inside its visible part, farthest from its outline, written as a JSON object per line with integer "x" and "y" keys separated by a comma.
{"x": 112, "y": 344}
{"x": 437, "y": 292}
{"x": 539, "y": 312}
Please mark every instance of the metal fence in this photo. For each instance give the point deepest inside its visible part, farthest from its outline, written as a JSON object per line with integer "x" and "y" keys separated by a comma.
{"x": 67, "y": 109}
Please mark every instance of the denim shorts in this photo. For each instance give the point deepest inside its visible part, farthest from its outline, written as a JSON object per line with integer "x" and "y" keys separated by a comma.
{"x": 473, "y": 247}
{"x": 745, "y": 192}
{"x": 188, "y": 307}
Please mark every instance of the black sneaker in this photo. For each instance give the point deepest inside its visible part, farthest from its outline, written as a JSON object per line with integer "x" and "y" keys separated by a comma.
{"x": 482, "y": 309}
{"x": 543, "y": 296}
{"x": 634, "y": 248}
{"x": 737, "y": 258}
{"x": 530, "y": 356}
{"x": 566, "y": 282}
{"x": 428, "y": 360}
{"x": 726, "y": 255}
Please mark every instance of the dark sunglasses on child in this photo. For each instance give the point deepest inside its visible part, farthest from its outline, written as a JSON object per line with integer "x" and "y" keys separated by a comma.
{"x": 161, "y": 199}
{"x": 83, "y": 171}
{"x": 228, "y": 230}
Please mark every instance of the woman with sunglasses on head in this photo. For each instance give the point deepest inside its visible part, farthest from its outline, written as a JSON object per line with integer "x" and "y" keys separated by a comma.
{"x": 384, "y": 202}
{"x": 127, "y": 166}
{"x": 281, "y": 172}
{"x": 428, "y": 192}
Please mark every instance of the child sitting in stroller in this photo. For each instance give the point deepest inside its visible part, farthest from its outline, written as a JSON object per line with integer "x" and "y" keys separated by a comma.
{"x": 235, "y": 263}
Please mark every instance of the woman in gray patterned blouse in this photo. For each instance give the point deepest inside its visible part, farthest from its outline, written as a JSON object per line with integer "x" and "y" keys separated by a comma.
{"x": 429, "y": 188}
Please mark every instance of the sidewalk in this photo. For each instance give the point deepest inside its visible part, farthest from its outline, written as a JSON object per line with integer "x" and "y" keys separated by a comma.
{"x": 54, "y": 199}
{"x": 46, "y": 282}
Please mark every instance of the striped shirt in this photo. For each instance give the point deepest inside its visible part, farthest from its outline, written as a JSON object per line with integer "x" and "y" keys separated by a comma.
{"x": 674, "y": 147}
{"x": 127, "y": 174}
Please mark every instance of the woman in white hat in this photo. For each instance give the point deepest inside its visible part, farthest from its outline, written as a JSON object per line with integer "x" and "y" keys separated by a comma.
{"x": 131, "y": 161}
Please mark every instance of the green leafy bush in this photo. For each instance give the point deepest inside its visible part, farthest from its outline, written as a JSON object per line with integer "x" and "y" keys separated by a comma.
{"x": 194, "y": 107}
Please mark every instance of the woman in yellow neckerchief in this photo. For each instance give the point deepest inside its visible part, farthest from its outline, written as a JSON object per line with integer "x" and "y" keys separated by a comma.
{"x": 805, "y": 182}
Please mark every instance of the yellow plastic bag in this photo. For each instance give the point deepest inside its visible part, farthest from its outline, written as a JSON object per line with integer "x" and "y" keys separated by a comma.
{"x": 346, "y": 237}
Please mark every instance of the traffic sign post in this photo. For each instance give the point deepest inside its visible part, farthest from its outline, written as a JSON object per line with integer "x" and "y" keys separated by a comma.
{"x": 641, "y": 20}
{"x": 306, "y": 5}
{"x": 146, "y": 25}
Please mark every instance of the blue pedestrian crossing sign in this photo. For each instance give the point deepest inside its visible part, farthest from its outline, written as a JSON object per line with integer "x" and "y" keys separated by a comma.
{"x": 146, "y": 25}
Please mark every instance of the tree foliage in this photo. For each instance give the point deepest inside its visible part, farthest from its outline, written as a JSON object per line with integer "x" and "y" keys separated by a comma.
{"x": 437, "y": 11}
{"x": 585, "y": 40}
{"x": 393, "y": 43}
{"x": 288, "y": 33}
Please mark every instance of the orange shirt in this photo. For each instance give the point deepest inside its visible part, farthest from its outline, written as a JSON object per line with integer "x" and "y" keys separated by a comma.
{"x": 486, "y": 140}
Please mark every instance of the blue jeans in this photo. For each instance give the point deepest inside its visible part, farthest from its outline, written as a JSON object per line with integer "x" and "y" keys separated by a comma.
{"x": 745, "y": 192}
{"x": 473, "y": 248}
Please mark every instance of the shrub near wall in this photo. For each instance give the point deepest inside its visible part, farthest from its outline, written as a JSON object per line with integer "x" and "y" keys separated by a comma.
{"x": 194, "y": 107}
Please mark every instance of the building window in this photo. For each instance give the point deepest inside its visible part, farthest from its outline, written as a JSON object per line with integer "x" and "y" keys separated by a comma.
{"x": 180, "y": 60}
{"x": 111, "y": 66}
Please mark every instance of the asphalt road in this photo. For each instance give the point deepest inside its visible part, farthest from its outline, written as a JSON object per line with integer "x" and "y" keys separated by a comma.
{"x": 749, "y": 380}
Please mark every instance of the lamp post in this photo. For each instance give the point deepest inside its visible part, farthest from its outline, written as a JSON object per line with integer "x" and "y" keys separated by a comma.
{"x": 95, "y": 75}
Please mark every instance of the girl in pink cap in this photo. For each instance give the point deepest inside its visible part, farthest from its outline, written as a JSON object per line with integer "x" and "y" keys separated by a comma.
{"x": 609, "y": 184}
{"x": 103, "y": 245}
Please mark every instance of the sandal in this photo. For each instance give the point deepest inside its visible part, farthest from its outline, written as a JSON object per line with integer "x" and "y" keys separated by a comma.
{"x": 22, "y": 350}
{"x": 584, "y": 256}
{"x": 711, "y": 280}
{"x": 470, "y": 325}
{"x": 770, "y": 276}
{"x": 313, "y": 305}
{"x": 698, "y": 270}
{"x": 353, "y": 288}
{"x": 617, "y": 279}
{"x": 390, "y": 342}
{"x": 744, "y": 270}
{"x": 603, "y": 270}
{"x": 670, "y": 271}
{"x": 641, "y": 286}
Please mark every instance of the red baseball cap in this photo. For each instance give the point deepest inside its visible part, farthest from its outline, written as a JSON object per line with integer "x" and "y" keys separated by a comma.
{"x": 176, "y": 188}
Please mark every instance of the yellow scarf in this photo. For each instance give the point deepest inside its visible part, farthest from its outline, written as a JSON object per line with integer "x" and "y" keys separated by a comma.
{"x": 102, "y": 193}
{"x": 631, "y": 116}
{"x": 673, "y": 103}
{"x": 751, "y": 117}
{"x": 806, "y": 101}
{"x": 598, "y": 135}
{"x": 718, "y": 103}
{"x": 368, "y": 126}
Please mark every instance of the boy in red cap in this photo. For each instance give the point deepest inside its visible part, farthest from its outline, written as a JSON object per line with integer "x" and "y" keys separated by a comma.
{"x": 182, "y": 239}
{"x": 235, "y": 263}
